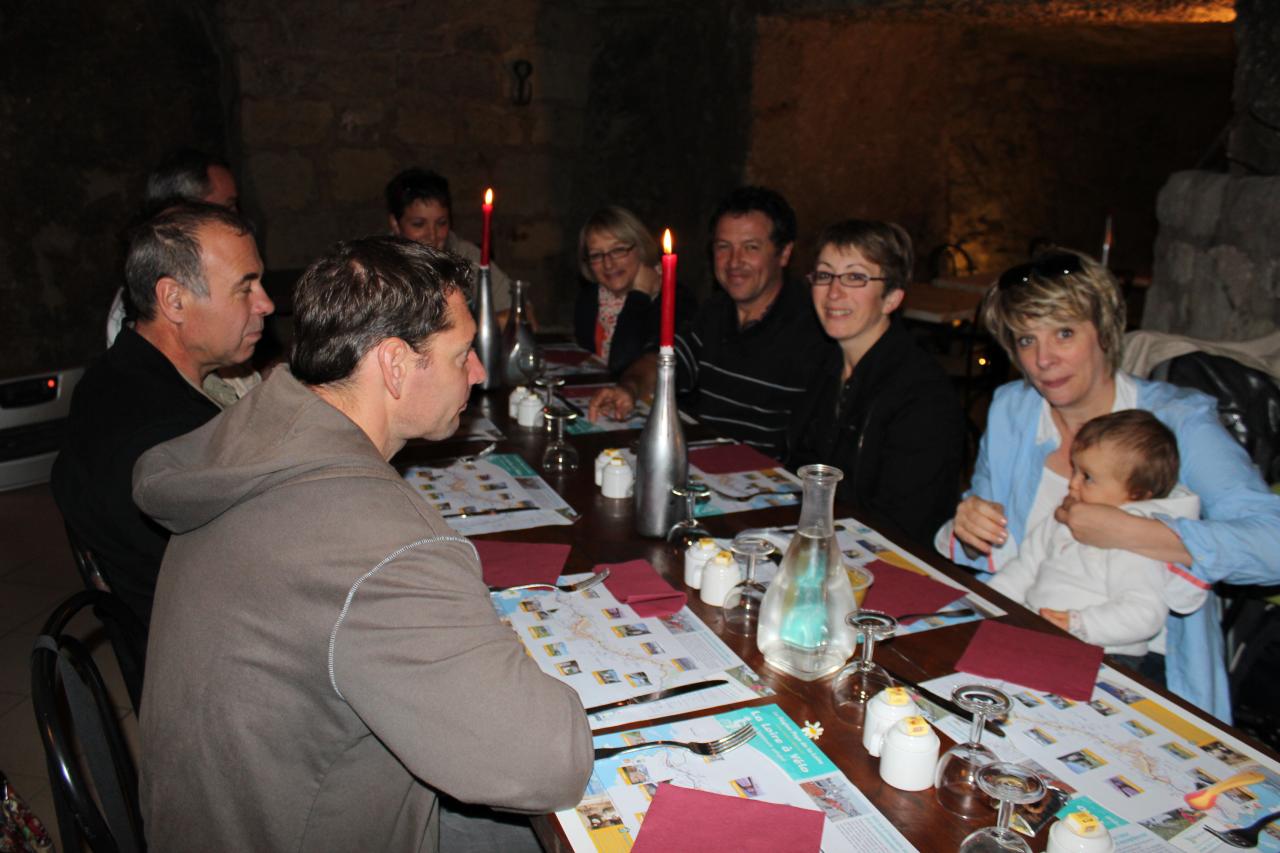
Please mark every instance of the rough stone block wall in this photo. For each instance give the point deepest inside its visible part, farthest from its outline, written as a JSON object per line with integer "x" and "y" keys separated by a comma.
{"x": 335, "y": 98}
{"x": 1217, "y": 268}
{"x": 987, "y": 134}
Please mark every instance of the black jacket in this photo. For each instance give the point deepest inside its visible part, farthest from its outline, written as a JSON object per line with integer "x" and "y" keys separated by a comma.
{"x": 896, "y": 430}
{"x": 639, "y": 322}
{"x": 130, "y": 400}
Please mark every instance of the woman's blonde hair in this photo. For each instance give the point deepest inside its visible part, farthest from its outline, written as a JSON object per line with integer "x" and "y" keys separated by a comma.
{"x": 1060, "y": 284}
{"x": 625, "y": 226}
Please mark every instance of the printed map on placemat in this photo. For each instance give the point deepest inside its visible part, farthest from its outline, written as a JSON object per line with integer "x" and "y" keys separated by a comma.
{"x": 779, "y": 765}
{"x": 496, "y": 493}
{"x": 770, "y": 487}
{"x": 1130, "y": 758}
{"x": 604, "y": 651}
{"x": 570, "y": 360}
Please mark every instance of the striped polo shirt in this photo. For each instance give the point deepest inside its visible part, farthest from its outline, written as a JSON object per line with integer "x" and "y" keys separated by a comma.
{"x": 745, "y": 382}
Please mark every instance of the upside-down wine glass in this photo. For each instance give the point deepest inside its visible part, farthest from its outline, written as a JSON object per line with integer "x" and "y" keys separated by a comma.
{"x": 742, "y": 604}
{"x": 1011, "y": 785}
{"x": 688, "y": 530}
{"x": 548, "y": 385}
{"x": 859, "y": 681}
{"x": 560, "y": 457}
{"x": 956, "y": 777}
{"x": 531, "y": 363}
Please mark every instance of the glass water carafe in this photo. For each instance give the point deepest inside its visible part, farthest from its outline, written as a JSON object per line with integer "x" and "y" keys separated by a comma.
{"x": 802, "y": 628}
{"x": 517, "y": 338}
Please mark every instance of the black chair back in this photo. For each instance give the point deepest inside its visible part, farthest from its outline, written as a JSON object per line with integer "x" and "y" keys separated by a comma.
{"x": 72, "y": 708}
{"x": 127, "y": 634}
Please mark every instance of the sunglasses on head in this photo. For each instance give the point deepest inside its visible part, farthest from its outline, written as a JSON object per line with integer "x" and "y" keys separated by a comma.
{"x": 1047, "y": 266}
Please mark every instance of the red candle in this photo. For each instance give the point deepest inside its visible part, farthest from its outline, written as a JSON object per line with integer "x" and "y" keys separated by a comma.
{"x": 488, "y": 219}
{"x": 668, "y": 292}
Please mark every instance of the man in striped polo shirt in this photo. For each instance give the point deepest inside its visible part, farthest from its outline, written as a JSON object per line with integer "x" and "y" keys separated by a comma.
{"x": 752, "y": 351}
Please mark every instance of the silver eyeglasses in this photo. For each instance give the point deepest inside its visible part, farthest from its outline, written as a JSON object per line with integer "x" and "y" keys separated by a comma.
{"x": 615, "y": 255}
{"x": 848, "y": 280}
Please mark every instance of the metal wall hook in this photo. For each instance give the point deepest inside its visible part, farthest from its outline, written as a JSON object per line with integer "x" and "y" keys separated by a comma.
{"x": 522, "y": 70}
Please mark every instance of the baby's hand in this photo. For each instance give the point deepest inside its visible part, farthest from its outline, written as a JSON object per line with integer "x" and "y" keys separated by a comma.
{"x": 1060, "y": 618}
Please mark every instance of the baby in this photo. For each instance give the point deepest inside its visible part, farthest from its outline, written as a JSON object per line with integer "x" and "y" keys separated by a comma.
{"x": 1109, "y": 597}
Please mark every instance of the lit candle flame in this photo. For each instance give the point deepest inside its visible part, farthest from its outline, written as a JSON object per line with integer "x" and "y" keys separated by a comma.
{"x": 488, "y": 196}
{"x": 666, "y": 242}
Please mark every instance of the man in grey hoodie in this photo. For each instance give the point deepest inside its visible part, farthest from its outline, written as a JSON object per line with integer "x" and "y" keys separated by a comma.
{"x": 323, "y": 655}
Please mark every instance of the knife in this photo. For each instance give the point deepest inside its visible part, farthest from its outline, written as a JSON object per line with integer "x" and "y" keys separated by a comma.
{"x": 659, "y": 694}
{"x": 945, "y": 704}
{"x": 479, "y": 512}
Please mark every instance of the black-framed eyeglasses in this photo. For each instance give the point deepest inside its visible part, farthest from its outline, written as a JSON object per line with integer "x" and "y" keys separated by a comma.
{"x": 1048, "y": 266}
{"x": 616, "y": 254}
{"x": 847, "y": 280}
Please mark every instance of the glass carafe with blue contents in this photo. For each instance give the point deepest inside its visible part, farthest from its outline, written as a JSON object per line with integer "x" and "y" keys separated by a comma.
{"x": 802, "y": 620}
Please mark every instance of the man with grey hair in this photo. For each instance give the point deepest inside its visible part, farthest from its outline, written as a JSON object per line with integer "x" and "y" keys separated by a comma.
{"x": 194, "y": 274}
{"x": 324, "y": 656}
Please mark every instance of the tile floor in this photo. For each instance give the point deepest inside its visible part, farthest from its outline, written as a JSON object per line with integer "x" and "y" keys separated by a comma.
{"x": 37, "y": 572}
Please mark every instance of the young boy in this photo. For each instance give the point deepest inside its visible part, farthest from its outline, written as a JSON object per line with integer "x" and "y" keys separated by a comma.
{"x": 1109, "y": 597}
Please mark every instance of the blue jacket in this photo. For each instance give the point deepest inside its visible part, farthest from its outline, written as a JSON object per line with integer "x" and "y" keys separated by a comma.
{"x": 1237, "y": 539}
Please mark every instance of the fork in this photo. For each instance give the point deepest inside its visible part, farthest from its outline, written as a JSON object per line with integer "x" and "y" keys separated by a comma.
{"x": 1245, "y": 836}
{"x": 585, "y": 583}
{"x": 733, "y": 740}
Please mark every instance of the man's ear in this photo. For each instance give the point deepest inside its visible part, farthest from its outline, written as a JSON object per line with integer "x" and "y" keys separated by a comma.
{"x": 394, "y": 224}
{"x": 784, "y": 257}
{"x": 393, "y": 355}
{"x": 171, "y": 299}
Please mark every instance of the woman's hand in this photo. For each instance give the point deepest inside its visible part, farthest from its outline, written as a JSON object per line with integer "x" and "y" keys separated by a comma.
{"x": 981, "y": 523}
{"x": 1105, "y": 526}
{"x": 615, "y": 402}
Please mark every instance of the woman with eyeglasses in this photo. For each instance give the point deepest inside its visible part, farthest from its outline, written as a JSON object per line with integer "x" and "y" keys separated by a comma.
{"x": 886, "y": 414}
{"x": 617, "y": 313}
{"x": 1061, "y": 319}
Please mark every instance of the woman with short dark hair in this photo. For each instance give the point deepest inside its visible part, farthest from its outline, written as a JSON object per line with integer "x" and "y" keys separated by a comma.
{"x": 886, "y": 414}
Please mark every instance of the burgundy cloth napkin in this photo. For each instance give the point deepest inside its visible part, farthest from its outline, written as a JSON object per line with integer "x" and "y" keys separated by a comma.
{"x": 685, "y": 819}
{"x": 730, "y": 459}
{"x": 897, "y": 591}
{"x": 516, "y": 563}
{"x": 1062, "y": 665}
{"x": 638, "y": 584}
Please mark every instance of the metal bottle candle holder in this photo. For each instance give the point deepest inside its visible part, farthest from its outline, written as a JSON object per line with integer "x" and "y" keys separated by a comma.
{"x": 662, "y": 458}
{"x": 488, "y": 335}
{"x": 517, "y": 337}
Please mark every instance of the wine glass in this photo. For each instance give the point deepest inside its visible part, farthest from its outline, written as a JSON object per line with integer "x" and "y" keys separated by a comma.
{"x": 548, "y": 386}
{"x": 1012, "y": 785}
{"x": 687, "y": 529}
{"x": 956, "y": 778}
{"x": 531, "y": 363}
{"x": 859, "y": 681}
{"x": 560, "y": 457}
{"x": 742, "y": 604}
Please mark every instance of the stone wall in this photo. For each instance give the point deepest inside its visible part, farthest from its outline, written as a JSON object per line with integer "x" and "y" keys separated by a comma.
{"x": 90, "y": 96}
{"x": 1217, "y": 273}
{"x": 985, "y": 134}
{"x": 1217, "y": 270}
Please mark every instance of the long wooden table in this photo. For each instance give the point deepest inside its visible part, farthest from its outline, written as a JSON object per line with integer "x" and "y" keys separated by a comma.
{"x": 606, "y": 533}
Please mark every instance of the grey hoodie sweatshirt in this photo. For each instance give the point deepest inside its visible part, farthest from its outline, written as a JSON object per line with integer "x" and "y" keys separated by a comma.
{"x": 323, "y": 654}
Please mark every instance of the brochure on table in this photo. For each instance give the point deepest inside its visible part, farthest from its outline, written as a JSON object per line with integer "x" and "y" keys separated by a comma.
{"x": 1129, "y": 757}
{"x": 578, "y": 398}
{"x": 489, "y": 495}
{"x": 603, "y": 650}
{"x": 779, "y": 765}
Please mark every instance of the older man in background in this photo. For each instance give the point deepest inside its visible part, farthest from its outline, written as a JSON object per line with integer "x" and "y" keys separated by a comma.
{"x": 195, "y": 277}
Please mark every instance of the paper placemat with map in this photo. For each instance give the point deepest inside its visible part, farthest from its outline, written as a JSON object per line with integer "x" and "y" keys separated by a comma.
{"x": 779, "y": 765}
{"x": 863, "y": 546}
{"x": 489, "y": 495}
{"x": 578, "y": 398}
{"x": 604, "y": 651}
{"x": 1130, "y": 758}
{"x": 770, "y": 481}
{"x": 570, "y": 360}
